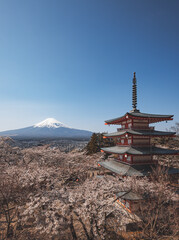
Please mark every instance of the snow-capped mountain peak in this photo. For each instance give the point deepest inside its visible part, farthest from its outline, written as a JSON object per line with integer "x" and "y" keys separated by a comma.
{"x": 50, "y": 123}
{"x": 50, "y": 128}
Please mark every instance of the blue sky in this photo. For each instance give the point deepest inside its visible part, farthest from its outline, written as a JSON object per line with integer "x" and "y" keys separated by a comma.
{"x": 73, "y": 60}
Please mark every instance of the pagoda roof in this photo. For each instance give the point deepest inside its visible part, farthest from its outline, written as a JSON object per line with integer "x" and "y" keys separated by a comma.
{"x": 139, "y": 133}
{"x": 140, "y": 150}
{"x": 132, "y": 170}
{"x": 126, "y": 170}
{"x": 128, "y": 195}
{"x": 132, "y": 115}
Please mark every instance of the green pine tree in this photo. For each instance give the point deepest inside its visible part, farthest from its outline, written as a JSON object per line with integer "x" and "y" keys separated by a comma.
{"x": 97, "y": 142}
{"x": 93, "y": 144}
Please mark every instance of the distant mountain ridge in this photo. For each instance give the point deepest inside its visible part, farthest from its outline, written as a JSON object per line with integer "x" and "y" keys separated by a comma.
{"x": 49, "y": 128}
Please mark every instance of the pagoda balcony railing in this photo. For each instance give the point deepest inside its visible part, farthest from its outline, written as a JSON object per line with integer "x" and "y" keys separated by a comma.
{"x": 142, "y": 128}
{"x": 137, "y": 145}
{"x": 138, "y": 163}
{"x": 136, "y": 128}
{"x": 118, "y": 129}
{"x": 143, "y": 145}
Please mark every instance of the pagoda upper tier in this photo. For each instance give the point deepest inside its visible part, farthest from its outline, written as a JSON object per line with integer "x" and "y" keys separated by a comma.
{"x": 137, "y": 115}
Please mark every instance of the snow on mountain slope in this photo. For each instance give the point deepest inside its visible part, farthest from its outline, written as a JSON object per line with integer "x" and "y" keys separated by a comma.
{"x": 49, "y": 128}
{"x": 50, "y": 123}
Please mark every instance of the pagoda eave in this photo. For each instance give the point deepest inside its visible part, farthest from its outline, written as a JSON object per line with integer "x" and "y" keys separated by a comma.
{"x": 121, "y": 150}
{"x": 152, "y": 118}
{"x": 140, "y": 133}
{"x": 133, "y": 170}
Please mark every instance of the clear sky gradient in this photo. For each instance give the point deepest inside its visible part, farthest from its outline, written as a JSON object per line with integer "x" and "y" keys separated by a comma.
{"x": 73, "y": 60}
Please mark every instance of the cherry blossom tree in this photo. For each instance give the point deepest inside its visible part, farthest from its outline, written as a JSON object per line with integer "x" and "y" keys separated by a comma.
{"x": 46, "y": 193}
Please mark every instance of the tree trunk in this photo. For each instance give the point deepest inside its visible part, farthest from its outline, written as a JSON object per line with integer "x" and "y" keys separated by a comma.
{"x": 73, "y": 232}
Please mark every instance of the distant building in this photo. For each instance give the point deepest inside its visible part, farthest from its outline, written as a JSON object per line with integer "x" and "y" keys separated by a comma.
{"x": 129, "y": 200}
{"x": 133, "y": 152}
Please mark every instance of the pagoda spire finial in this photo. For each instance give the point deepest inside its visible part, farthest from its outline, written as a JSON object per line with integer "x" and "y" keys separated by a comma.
{"x": 134, "y": 94}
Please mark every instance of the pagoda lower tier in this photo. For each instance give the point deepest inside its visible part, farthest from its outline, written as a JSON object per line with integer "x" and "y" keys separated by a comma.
{"x": 137, "y": 155}
{"x": 137, "y": 170}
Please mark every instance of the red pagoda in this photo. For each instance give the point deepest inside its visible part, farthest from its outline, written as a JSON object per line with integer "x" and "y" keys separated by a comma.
{"x": 134, "y": 152}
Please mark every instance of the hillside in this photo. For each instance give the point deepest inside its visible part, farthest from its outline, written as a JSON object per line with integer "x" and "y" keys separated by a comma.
{"x": 49, "y": 193}
{"x": 172, "y": 143}
{"x": 50, "y": 128}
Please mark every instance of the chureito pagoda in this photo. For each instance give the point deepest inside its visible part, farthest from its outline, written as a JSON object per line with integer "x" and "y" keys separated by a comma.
{"x": 134, "y": 152}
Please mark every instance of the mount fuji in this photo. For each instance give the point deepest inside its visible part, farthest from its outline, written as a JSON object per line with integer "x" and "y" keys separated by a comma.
{"x": 49, "y": 128}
